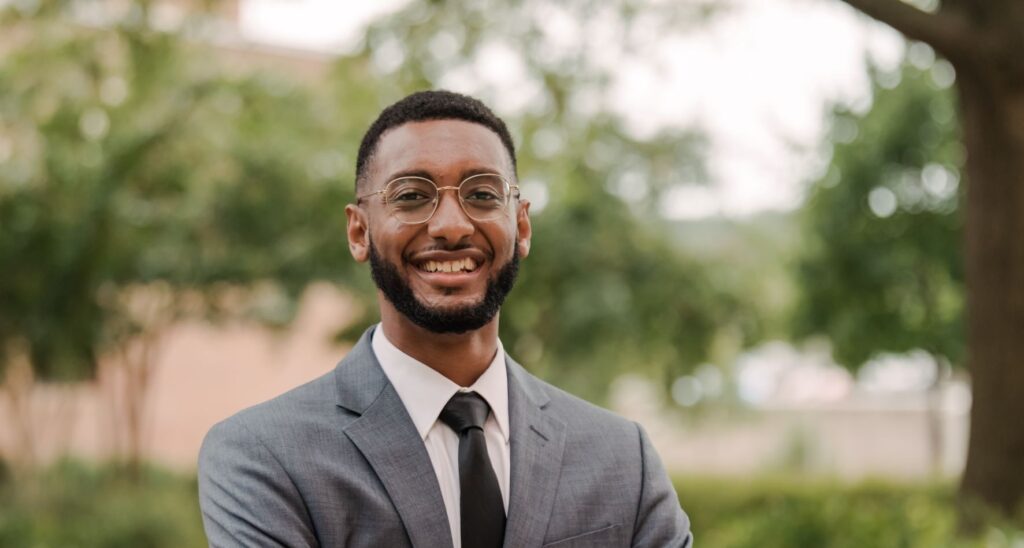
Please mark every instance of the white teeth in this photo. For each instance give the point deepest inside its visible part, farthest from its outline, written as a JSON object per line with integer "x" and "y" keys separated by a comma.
{"x": 462, "y": 265}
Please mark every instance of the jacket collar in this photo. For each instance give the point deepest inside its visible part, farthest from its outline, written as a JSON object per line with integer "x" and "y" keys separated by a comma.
{"x": 400, "y": 459}
{"x": 536, "y": 446}
{"x": 386, "y": 436}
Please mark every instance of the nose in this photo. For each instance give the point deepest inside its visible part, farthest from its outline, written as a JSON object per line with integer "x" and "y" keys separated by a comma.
{"x": 450, "y": 222}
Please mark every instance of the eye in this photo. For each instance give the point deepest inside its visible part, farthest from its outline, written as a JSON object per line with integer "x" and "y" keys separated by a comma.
{"x": 410, "y": 192}
{"x": 410, "y": 196}
{"x": 484, "y": 191}
{"x": 482, "y": 195}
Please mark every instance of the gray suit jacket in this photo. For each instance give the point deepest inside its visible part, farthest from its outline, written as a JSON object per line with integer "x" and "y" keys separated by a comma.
{"x": 338, "y": 462}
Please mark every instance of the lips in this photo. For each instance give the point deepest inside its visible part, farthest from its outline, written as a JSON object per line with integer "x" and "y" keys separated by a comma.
{"x": 448, "y": 268}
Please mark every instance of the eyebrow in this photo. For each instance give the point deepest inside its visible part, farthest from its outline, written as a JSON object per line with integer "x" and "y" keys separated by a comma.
{"x": 422, "y": 173}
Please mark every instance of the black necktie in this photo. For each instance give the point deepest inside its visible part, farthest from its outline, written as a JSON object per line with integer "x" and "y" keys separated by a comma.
{"x": 482, "y": 509}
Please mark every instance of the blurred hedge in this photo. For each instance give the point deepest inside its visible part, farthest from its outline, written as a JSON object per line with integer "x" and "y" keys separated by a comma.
{"x": 86, "y": 506}
{"x": 786, "y": 513}
{"x": 73, "y": 504}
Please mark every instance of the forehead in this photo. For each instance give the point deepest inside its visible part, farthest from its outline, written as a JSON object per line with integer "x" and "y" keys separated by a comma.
{"x": 444, "y": 149}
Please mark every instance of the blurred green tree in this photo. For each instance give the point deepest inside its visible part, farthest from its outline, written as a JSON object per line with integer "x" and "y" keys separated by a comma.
{"x": 983, "y": 41}
{"x": 881, "y": 269}
{"x": 140, "y": 181}
{"x": 881, "y": 266}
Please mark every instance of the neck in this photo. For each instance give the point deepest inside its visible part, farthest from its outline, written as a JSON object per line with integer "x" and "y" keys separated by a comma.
{"x": 461, "y": 357}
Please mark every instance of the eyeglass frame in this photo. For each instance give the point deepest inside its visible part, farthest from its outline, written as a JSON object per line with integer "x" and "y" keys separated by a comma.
{"x": 513, "y": 192}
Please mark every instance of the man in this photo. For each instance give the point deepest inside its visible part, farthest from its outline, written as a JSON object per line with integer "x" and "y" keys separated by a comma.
{"x": 427, "y": 434}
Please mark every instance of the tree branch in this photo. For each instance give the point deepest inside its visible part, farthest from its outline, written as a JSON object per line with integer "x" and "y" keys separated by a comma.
{"x": 948, "y": 33}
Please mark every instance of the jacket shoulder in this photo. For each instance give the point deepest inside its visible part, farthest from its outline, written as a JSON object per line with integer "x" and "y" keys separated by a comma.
{"x": 297, "y": 413}
{"x": 586, "y": 419}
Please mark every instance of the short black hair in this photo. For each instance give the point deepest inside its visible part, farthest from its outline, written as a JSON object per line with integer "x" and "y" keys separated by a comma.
{"x": 430, "y": 105}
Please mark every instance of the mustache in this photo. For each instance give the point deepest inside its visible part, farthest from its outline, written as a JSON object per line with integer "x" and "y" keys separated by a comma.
{"x": 458, "y": 246}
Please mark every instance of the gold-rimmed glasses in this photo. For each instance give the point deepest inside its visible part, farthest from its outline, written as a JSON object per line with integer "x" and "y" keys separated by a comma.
{"x": 413, "y": 200}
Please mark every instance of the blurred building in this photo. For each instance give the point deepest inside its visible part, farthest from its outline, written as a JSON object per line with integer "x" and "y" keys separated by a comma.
{"x": 794, "y": 411}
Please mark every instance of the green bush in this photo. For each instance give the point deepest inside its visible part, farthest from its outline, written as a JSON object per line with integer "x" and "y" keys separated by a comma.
{"x": 789, "y": 513}
{"x": 72, "y": 504}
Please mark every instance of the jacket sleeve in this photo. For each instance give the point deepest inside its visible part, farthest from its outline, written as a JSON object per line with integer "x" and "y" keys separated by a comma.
{"x": 247, "y": 498}
{"x": 660, "y": 521}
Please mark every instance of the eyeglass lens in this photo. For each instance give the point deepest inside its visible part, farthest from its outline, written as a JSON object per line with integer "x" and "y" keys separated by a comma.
{"x": 413, "y": 200}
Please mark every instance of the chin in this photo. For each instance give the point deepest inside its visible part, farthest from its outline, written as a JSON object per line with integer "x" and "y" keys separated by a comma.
{"x": 451, "y": 302}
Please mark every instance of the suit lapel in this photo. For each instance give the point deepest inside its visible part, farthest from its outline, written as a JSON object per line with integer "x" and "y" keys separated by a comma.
{"x": 388, "y": 439}
{"x": 537, "y": 442}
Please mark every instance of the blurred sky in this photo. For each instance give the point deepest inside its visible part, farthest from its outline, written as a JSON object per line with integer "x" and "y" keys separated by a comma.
{"x": 758, "y": 79}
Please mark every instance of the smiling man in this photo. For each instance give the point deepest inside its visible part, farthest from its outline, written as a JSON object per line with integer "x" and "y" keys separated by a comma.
{"x": 427, "y": 434}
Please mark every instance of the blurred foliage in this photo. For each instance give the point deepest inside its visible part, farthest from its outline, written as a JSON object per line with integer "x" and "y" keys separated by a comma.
{"x": 72, "y": 504}
{"x": 784, "y": 512}
{"x": 142, "y": 180}
{"x": 604, "y": 290}
{"x": 882, "y": 267}
{"x": 149, "y": 179}
{"x": 750, "y": 258}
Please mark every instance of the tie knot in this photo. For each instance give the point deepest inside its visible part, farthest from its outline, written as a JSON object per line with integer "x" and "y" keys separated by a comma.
{"x": 464, "y": 411}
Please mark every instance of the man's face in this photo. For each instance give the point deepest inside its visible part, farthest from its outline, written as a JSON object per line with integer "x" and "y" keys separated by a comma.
{"x": 408, "y": 262}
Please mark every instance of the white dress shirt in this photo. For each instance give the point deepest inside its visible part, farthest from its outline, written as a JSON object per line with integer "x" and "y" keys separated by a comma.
{"x": 424, "y": 392}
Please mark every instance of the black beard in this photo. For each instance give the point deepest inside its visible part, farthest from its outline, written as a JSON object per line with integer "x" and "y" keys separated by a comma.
{"x": 440, "y": 320}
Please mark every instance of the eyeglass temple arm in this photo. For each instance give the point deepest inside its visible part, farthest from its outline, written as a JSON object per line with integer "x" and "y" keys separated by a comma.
{"x": 367, "y": 195}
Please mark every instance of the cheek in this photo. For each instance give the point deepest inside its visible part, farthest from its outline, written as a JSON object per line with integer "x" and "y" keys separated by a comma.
{"x": 503, "y": 239}
{"x": 392, "y": 239}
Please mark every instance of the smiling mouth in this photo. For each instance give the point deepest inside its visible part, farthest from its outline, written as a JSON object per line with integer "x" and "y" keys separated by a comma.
{"x": 461, "y": 265}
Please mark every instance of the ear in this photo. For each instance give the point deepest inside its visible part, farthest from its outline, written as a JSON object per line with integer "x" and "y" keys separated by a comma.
{"x": 358, "y": 233}
{"x": 524, "y": 230}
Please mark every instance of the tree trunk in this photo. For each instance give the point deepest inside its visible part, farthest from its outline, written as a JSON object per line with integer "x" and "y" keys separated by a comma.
{"x": 17, "y": 393}
{"x": 984, "y": 42}
{"x": 137, "y": 356}
{"x": 992, "y": 112}
{"x": 934, "y": 418}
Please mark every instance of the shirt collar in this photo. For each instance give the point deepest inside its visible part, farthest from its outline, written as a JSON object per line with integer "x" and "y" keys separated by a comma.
{"x": 424, "y": 391}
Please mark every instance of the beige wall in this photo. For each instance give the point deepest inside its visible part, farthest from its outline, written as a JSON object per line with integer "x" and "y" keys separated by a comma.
{"x": 202, "y": 374}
